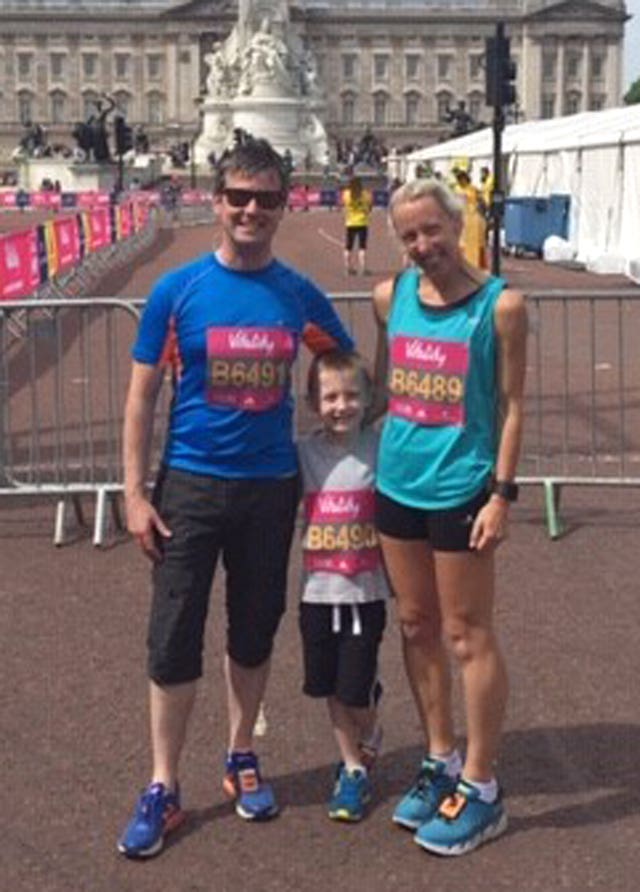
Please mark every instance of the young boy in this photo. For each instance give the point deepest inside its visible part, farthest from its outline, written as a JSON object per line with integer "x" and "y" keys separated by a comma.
{"x": 344, "y": 588}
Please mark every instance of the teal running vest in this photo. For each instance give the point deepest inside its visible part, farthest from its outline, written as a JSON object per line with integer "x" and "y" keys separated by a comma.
{"x": 439, "y": 439}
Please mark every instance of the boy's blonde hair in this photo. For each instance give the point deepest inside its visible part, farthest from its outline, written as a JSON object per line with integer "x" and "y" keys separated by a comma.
{"x": 336, "y": 361}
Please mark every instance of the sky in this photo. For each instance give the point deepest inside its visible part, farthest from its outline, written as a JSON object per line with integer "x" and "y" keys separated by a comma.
{"x": 632, "y": 44}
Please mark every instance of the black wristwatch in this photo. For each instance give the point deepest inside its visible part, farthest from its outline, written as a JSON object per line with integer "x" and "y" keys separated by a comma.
{"x": 506, "y": 489}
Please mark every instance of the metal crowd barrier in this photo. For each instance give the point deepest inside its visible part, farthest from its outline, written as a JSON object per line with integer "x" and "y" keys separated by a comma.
{"x": 63, "y": 371}
{"x": 64, "y": 367}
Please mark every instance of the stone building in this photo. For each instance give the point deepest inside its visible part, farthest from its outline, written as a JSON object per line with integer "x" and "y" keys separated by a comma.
{"x": 394, "y": 66}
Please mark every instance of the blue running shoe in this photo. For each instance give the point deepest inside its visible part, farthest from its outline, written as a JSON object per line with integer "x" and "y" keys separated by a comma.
{"x": 242, "y": 782}
{"x": 351, "y": 793}
{"x": 421, "y": 802}
{"x": 463, "y": 822}
{"x": 157, "y": 813}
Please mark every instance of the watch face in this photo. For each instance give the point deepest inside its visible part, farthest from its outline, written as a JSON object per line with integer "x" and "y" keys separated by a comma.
{"x": 506, "y": 489}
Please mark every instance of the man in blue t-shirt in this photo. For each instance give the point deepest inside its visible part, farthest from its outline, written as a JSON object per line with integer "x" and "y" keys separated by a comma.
{"x": 229, "y": 324}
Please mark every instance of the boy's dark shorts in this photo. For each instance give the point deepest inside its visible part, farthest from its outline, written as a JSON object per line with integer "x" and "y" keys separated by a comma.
{"x": 447, "y": 530}
{"x": 342, "y": 664}
{"x": 250, "y": 522}
{"x": 355, "y": 234}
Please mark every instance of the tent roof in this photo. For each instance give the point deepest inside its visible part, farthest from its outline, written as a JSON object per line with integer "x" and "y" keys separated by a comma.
{"x": 607, "y": 127}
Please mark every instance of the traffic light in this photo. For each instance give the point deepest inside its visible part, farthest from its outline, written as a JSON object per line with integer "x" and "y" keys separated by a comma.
{"x": 123, "y": 135}
{"x": 500, "y": 70}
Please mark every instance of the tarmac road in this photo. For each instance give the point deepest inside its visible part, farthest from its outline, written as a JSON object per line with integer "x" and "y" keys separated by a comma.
{"x": 73, "y": 720}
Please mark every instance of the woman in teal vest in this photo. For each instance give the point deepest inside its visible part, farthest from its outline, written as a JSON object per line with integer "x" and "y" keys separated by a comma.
{"x": 451, "y": 350}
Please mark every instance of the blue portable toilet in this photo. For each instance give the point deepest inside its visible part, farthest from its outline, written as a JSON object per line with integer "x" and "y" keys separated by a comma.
{"x": 559, "y": 215}
{"x": 528, "y": 220}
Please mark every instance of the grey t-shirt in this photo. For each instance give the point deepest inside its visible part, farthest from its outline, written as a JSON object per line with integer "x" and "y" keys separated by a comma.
{"x": 342, "y": 562}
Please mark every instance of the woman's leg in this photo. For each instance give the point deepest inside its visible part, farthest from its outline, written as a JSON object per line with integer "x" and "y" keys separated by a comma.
{"x": 410, "y": 564}
{"x": 465, "y": 582}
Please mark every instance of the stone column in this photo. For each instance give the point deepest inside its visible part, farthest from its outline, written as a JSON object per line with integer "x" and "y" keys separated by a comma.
{"x": 172, "y": 82}
{"x": 586, "y": 76}
{"x": 560, "y": 79}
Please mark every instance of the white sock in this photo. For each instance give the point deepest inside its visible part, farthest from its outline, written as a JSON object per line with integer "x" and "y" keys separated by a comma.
{"x": 355, "y": 766}
{"x": 452, "y": 762}
{"x": 374, "y": 740}
{"x": 488, "y": 789}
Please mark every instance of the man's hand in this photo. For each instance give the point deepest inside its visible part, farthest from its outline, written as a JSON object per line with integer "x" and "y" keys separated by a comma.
{"x": 146, "y": 526}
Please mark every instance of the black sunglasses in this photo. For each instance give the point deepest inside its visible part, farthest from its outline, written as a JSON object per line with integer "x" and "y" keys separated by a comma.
{"x": 266, "y": 199}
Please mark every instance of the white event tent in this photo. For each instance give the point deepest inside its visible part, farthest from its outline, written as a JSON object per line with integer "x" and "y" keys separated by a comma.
{"x": 594, "y": 157}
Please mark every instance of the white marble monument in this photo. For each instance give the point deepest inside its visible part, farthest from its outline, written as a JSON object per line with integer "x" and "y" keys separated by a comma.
{"x": 262, "y": 80}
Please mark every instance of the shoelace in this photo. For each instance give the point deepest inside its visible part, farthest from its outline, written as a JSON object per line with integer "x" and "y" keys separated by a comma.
{"x": 149, "y": 802}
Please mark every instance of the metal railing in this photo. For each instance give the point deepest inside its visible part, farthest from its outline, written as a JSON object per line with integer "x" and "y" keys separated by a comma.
{"x": 64, "y": 367}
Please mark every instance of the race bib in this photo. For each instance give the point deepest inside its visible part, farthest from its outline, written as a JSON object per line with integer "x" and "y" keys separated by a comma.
{"x": 427, "y": 380}
{"x": 248, "y": 368}
{"x": 341, "y": 536}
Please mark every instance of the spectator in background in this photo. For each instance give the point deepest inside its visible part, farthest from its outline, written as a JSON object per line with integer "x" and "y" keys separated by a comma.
{"x": 358, "y": 204}
{"x": 474, "y": 229}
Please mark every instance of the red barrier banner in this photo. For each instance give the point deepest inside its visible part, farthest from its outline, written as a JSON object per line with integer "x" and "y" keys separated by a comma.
{"x": 140, "y": 215}
{"x": 99, "y": 229}
{"x": 195, "y": 196}
{"x": 125, "y": 221}
{"x": 50, "y": 200}
{"x": 302, "y": 198}
{"x": 19, "y": 269}
{"x": 143, "y": 197}
{"x": 93, "y": 199}
{"x": 67, "y": 241}
{"x": 7, "y": 199}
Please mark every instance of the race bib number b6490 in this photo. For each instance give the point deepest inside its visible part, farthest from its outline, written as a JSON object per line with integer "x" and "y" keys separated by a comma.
{"x": 341, "y": 536}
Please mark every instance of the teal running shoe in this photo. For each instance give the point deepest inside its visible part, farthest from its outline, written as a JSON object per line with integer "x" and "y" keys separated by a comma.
{"x": 463, "y": 822}
{"x": 351, "y": 793}
{"x": 421, "y": 802}
{"x": 157, "y": 813}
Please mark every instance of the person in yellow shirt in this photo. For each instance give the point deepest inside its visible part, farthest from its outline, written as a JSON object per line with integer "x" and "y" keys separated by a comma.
{"x": 357, "y": 203}
{"x": 474, "y": 230}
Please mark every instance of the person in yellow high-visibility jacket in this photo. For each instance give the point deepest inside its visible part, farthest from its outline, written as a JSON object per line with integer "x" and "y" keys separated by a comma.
{"x": 473, "y": 240}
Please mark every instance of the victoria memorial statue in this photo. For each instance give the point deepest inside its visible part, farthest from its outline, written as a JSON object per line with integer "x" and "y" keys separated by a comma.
{"x": 263, "y": 80}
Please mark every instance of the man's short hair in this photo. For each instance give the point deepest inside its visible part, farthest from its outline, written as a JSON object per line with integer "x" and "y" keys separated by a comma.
{"x": 251, "y": 157}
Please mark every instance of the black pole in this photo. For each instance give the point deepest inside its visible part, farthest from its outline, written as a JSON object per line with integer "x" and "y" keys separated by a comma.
{"x": 497, "y": 203}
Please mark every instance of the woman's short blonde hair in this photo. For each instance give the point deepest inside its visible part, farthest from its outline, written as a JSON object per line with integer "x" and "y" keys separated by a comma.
{"x": 414, "y": 190}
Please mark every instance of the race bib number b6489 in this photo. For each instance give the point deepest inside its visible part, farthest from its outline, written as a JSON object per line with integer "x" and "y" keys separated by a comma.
{"x": 427, "y": 379}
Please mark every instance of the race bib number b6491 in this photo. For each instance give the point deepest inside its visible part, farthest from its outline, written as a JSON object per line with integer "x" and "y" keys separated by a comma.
{"x": 248, "y": 368}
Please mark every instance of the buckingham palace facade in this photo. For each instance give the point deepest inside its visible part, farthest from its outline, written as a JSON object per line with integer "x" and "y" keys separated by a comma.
{"x": 394, "y": 66}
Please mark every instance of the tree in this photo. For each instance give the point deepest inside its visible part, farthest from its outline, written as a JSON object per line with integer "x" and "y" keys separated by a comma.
{"x": 632, "y": 96}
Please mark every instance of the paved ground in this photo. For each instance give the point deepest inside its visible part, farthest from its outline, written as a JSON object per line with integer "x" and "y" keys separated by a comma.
{"x": 73, "y": 723}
